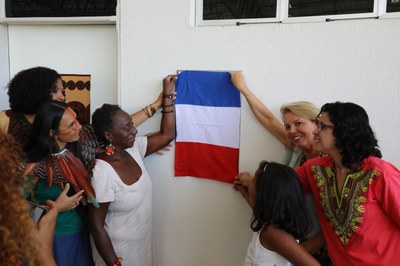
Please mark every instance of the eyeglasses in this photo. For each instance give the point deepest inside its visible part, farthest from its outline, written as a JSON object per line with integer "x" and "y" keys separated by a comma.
{"x": 322, "y": 125}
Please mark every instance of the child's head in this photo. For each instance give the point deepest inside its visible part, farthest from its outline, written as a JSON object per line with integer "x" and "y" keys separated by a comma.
{"x": 278, "y": 198}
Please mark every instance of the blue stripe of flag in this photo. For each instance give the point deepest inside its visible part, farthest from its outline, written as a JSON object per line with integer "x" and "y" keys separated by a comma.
{"x": 206, "y": 89}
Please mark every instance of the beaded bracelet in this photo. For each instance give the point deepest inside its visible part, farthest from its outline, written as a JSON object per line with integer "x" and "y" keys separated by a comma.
{"x": 118, "y": 262}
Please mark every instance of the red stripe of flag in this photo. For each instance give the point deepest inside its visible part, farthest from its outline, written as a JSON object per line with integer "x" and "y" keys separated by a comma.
{"x": 206, "y": 161}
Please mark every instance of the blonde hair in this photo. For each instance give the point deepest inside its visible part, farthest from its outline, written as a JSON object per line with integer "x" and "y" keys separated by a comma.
{"x": 303, "y": 109}
{"x": 17, "y": 230}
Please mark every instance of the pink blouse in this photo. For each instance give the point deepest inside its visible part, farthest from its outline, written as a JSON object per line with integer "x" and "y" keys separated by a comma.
{"x": 361, "y": 225}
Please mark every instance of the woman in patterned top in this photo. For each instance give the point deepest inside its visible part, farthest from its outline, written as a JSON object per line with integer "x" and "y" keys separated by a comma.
{"x": 358, "y": 193}
{"x": 55, "y": 159}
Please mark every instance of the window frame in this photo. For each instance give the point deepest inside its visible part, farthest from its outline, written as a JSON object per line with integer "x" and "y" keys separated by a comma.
{"x": 59, "y": 20}
{"x": 282, "y": 16}
{"x": 383, "y": 13}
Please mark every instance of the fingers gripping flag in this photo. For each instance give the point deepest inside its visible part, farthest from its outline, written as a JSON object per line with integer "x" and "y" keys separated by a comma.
{"x": 207, "y": 126}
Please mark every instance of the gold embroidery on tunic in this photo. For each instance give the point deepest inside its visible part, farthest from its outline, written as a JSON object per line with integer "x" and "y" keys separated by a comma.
{"x": 345, "y": 211}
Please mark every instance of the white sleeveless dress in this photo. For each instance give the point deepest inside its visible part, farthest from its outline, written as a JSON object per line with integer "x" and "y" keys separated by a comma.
{"x": 257, "y": 255}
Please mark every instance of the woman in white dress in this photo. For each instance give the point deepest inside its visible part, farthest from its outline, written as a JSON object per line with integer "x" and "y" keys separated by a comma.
{"x": 121, "y": 228}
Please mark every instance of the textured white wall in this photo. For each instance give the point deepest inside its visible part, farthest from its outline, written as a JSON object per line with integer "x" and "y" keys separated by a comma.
{"x": 202, "y": 222}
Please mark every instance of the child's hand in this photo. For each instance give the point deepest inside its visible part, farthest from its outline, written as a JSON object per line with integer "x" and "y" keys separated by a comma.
{"x": 243, "y": 179}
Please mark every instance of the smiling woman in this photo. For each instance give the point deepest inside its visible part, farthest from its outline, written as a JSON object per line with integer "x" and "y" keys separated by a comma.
{"x": 123, "y": 185}
{"x": 68, "y": 130}
{"x": 54, "y": 157}
{"x": 296, "y": 134}
{"x": 357, "y": 192}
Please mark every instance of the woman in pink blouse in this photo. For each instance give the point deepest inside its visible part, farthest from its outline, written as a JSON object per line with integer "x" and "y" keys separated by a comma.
{"x": 358, "y": 194}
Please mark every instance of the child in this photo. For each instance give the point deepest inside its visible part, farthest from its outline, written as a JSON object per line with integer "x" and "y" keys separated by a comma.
{"x": 279, "y": 219}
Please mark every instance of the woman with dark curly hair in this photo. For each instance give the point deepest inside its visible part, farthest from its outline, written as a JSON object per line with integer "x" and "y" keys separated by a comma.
{"x": 32, "y": 87}
{"x": 358, "y": 193}
{"x": 21, "y": 241}
{"x": 29, "y": 89}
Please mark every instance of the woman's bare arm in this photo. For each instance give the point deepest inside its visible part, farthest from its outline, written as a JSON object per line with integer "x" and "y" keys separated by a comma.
{"x": 260, "y": 111}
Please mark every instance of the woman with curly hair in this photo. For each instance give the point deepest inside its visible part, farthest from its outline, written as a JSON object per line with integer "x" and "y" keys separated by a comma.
{"x": 29, "y": 89}
{"x": 22, "y": 241}
{"x": 32, "y": 87}
{"x": 17, "y": 237}
{"x": 358, "y": 192}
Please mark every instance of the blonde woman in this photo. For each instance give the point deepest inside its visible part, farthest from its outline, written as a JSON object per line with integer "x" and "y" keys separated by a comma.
{"x": 295, "y": 133}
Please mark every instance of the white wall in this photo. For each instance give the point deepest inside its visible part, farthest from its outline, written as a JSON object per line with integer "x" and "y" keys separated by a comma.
{"x": 70, "y": 49}
{"x": 202, "y": 222}
{"x": 4, "y": 67}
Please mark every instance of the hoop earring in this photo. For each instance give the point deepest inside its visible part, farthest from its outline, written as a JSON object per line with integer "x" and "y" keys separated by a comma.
{"x": 110, "y": 149}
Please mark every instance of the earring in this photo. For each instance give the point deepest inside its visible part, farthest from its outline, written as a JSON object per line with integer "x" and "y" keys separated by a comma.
{"x": 110, "y": 149}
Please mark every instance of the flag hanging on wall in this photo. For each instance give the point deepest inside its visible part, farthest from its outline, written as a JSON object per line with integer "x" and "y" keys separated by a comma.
{"x": 207, "y": 126}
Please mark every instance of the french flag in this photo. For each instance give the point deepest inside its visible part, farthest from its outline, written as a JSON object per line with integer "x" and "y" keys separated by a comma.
{"x": 207, "y": 126}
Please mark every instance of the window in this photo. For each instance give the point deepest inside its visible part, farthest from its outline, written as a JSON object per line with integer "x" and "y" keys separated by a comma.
{"x": 59, "y": 8}
{"x": 305, "y": 8}
{"x": 238, "y": 9}
{"x": 231, "y": 12}
{"x": 393, "y": 6}
{"x": 237, "y": 12}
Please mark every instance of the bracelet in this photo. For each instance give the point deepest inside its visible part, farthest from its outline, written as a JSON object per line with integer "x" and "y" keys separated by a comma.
{"x": 165, "y": 112}
{"x": 149, "y": 110}
{"x": 118, "y": 262}
{"x": 168, "y": 96}
{"x": 169, "y": 105}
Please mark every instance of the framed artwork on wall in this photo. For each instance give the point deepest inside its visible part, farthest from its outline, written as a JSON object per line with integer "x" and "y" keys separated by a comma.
{"x": 77, "y": 91}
